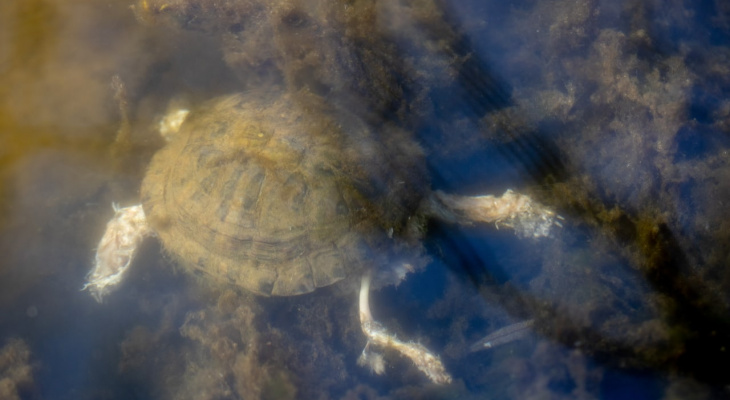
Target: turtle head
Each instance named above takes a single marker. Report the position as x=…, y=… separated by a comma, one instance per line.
x=171, y=122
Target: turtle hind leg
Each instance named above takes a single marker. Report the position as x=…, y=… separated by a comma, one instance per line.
x=427, y=362
x=116, y=250
x=518, y=211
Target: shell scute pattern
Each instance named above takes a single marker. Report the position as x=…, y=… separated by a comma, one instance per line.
x=259, y=193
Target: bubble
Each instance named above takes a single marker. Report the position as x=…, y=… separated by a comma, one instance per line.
x=31, y=311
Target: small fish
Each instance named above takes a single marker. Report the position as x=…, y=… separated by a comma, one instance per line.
x=504, y=335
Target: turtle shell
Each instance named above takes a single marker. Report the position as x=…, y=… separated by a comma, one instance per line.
x=279, y=195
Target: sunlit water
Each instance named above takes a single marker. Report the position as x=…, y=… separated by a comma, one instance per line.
x=615, y=114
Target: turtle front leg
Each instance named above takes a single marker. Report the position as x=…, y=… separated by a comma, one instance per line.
x=116, y=250
x=377, y=335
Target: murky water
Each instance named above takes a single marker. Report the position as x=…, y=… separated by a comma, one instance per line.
x=615, y=114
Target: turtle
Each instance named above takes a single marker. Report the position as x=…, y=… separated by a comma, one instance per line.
x=283, y=193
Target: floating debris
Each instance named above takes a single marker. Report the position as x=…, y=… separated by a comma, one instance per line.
x=505, y=335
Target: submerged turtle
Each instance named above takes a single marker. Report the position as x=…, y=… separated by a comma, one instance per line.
x=281, y=194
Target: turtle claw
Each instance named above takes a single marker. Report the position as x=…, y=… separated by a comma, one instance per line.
x=372, y=360
x=116, y=250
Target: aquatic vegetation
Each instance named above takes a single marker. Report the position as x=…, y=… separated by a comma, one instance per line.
x=16, y=370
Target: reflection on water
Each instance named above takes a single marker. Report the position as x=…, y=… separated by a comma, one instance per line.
x=614, y=113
